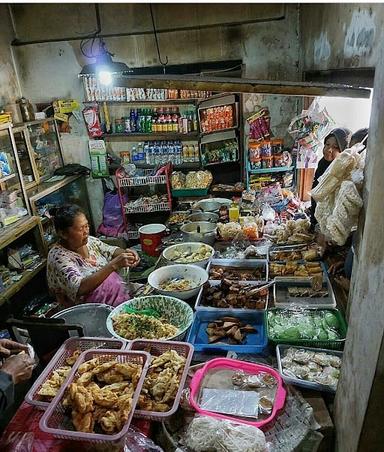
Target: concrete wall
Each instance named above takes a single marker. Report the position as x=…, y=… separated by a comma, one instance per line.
x=341, y=35
x=9, y=87
x=264, y=36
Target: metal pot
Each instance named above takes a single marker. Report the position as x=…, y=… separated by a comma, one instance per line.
x=91, y=316
x=204, y=216
x=200, y=231
x=207, y=205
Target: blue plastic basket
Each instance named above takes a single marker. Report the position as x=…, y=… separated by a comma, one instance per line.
x=253, y=343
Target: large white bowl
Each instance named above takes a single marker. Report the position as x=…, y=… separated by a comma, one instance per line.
x=174, y=311
x=196, y=274
x=169, y=253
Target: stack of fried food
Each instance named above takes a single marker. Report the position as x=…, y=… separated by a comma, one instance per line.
x=101, y=397
x=52, y=385
x=162, y=382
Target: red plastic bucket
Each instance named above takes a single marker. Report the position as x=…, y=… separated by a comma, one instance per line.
x=150, y=238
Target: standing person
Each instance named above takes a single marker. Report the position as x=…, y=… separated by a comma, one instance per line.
x=14, y=369
x=83, y=269
x=334, y=143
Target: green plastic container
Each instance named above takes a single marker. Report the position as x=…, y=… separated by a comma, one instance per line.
x=189, y=192
x=336, y=344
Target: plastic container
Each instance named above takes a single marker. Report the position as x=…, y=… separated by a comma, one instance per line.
x=250, y=368
x=65, y=351
x=55, y=420
x=157, y=348
x=150, y=238
x=186, y=192
x=255, y=342
x=280, y=349
x=199, y=306
x=336, y=344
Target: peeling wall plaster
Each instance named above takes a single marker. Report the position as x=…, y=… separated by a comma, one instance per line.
x=321, y=48
x=360, y=34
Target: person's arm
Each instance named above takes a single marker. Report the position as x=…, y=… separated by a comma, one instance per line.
x=6, y=391
x=93, y=281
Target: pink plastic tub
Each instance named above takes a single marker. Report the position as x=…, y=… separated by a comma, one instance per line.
x=250, y=368
x=157, y=348
x=56, y=420
x=65, y=351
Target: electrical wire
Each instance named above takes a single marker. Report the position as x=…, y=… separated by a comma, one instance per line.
x=157, y=42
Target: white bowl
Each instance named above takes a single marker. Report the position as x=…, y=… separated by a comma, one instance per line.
x=169, y=253
x=173, y=310
x=196, y=274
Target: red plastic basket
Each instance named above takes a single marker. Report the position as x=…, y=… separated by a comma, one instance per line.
x=56, y=421
x=65, y=351
x=157, y=348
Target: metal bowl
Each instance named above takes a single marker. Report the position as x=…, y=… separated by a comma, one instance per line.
x=91, y=316
x=200, y=231
x=207, y=205
x=203, y=216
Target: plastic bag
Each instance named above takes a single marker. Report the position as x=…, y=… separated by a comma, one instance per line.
x=113, y=222
x=178, y=180
x=268, y=213
x=206, y=433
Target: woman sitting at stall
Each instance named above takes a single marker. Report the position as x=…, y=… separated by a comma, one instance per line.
x=334, y=143
x=81, y=268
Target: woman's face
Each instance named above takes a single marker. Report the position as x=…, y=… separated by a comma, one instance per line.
x=76, y=236
x=331, y=149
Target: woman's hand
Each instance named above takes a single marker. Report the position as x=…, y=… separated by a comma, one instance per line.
x=126, y=259
x=135, y=256
x=7, y=347
x=19, y=367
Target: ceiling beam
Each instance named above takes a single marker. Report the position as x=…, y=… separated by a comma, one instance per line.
x=241, y=85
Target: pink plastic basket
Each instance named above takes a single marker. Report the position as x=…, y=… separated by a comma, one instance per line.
x=250, y=368
x=157, y=348
x=65, y=351
x=56, y=421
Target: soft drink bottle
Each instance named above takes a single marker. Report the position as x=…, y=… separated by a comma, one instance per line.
x=132, y=117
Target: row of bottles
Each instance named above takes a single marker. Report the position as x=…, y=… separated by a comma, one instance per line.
x=161, y=152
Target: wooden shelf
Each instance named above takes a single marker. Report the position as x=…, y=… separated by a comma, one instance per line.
x=46, y=188
x=15, y=287
x=146, y=102
x=152, y=136
x=5, y=178
x=10, y=233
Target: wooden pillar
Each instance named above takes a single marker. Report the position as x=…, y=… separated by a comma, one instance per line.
x=359, y=404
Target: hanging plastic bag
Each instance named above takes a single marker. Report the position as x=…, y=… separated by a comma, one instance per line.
x=113, y=222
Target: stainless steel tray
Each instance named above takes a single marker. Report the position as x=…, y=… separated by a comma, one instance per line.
x=288, y=248
x=282, y=299
x=212, y=283
x=245, y=264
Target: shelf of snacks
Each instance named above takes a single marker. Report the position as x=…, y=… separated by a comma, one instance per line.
x=46, y=146
x=194, y=183
x=272, y=170
x=218, y=113
x=95, y=92
x=151, y=102
x=13, y=198
x=265, y=154
x=147, y=205
x=20, y=280
x=139, y=181
x=219, y=148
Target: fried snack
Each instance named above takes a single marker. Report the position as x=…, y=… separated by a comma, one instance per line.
x=52, y=385
x=72, y=359
x=83, y=422
x=106, y=406
x=162, y=382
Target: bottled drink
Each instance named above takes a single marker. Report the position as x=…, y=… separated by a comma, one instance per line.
x=154, y=121
x=148, y=125
x=196, y=153
x=140, y=153
x=194, y=119
x=132, y=117
x=134, y=154
x=185, y=153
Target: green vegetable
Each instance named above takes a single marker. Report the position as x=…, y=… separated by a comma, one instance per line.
x=291, y=333
x=322, y=335
x=149, y=311
x=332, y=335
x=331, y=320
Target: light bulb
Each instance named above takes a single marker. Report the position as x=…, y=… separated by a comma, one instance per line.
x=105, y=77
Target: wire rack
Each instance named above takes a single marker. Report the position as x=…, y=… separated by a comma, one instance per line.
x=142, y=181
x=159, y=207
